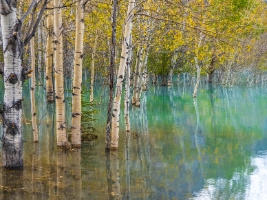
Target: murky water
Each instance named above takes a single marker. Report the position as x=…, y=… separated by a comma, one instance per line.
x=211, y=148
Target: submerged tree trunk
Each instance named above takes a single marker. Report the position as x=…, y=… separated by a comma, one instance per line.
x=33, y=83
x=120, y=78
x=111, y=77
x=77, y=79
x=13, y=79
x=59, y=81
x=49, y=60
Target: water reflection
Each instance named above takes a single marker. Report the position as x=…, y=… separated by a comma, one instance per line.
x=213, y=147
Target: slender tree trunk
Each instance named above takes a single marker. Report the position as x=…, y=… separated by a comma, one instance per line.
x=137, y=86
x=120, y=78
x=77, y=80
x=154, y=79
x=33, y=83
x=49, y=59
x=39, y=64
x=198, y=78
x=127, y=87
x=211, y=66
x=111, y=77
x=173, y=62
x=13, y=79
x=144, y=71
x=135, y=75
x=138, y=81
x=59, y=81
x=93, y=71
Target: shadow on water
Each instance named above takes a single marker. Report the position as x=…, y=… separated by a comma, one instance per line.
x=213, y=147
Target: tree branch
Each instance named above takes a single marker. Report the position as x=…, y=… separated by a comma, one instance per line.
x=29, y=36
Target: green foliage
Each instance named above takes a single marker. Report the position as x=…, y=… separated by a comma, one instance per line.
x=87, y=112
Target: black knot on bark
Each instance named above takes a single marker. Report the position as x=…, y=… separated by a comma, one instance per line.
x=57, y=97
x=12, y=129
x=61, y=127
x=25, y=73
x=17, y=104
x=12, y=78
x=75, y=114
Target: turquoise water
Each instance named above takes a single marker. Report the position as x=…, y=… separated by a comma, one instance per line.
x=212, y=148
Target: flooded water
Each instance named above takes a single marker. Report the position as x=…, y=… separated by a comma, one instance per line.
x=212, y=148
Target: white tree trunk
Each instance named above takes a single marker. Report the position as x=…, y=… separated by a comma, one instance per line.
x=77, y=80
x=135, y=74
x=93, y=71
x=198, y=78
x=123, y=61
x=136, y=84
x=13, y=79
x=39, y=64
x=49, y=59
x=59, y=81
x=139, y=78
x=173, y=62
x=127, y=87
x=144, y=71
x=33, y=83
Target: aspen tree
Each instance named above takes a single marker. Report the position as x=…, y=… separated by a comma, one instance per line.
x=13, y=79
x=33, y=84
x=93, y=70
x=144, y=70
x=127, y=87
x=77, y=79
x=111, y=78
x=49, y=59
x=120, y=77
x=59, y=81
x=39, y=53
x=137, y=81
x=173, y=62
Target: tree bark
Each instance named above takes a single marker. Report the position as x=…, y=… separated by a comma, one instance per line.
x=39, y=63
x=136, y=86
x=77, y=79
x=127, y=88
x=120, y=77
x=144, y=71
x=13, y=79
x=59, y=81
x=211, y=66
x=173, y=62
x=33, y=83
x=49, y=60
x=111, y=77
x=198, y=78
x=93, y=71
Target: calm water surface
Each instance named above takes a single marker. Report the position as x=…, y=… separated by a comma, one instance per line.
x=212, y=148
